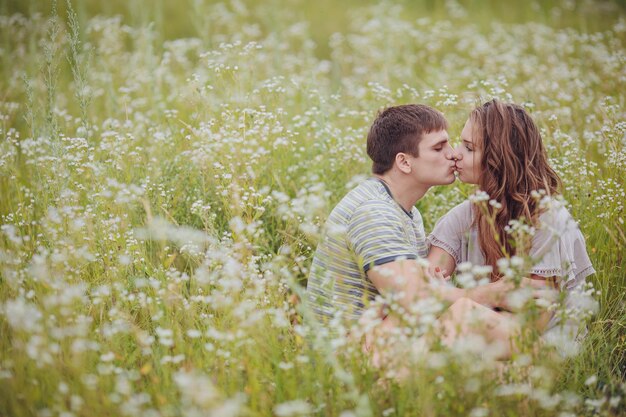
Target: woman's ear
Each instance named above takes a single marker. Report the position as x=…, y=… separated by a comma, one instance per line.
x=403, y=163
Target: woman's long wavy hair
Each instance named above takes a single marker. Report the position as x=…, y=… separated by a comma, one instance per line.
x=514, y=163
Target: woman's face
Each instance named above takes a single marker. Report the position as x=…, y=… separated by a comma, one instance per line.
x=468, y=156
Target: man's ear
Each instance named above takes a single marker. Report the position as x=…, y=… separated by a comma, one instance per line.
x=402, y=162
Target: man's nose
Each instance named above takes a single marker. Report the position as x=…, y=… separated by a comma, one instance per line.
x=457, y=155
x=453, y=154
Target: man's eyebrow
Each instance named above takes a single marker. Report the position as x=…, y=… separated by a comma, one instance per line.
x=441, y=142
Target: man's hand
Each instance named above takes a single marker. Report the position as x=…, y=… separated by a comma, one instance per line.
x=495, y=293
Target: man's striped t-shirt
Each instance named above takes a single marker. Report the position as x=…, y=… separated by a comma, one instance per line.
x=368, y=227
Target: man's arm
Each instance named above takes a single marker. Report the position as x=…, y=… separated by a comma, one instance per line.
x=407, y=277
x=404, y=277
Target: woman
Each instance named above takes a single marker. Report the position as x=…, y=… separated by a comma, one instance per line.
x=502, y=152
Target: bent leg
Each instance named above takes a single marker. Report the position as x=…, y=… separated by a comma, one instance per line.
x=376, y=342
x=466, y=316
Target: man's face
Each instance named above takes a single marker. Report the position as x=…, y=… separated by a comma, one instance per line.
x=435, y=163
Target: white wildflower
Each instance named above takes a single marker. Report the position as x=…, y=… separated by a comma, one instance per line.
x=22, y=315
x=518, y=298
x=591, y=380
x=196, y=388
x=293, y=408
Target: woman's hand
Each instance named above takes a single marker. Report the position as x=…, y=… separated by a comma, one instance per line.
x=437, y=273
x=438, y=257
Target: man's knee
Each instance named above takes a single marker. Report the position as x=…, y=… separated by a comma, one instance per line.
x=463, y=305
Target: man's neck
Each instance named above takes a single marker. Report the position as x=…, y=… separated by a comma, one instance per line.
x=405, y=194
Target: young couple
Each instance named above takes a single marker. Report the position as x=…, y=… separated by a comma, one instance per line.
x=375, y=235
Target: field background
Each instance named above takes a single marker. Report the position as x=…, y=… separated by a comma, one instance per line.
x=166, y=169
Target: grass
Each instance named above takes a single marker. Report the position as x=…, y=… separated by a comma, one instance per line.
x=166, y=171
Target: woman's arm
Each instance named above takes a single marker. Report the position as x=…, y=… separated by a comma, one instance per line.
x=491, y=295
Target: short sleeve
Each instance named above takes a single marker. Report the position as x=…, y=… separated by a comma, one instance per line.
x=450, y=229
x=377, y=235
x=559, y=249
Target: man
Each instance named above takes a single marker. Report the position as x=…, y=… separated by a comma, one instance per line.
x=375, y=234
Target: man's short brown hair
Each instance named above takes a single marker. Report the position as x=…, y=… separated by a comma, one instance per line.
x=400, y=129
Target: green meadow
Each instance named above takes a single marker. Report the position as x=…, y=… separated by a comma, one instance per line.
x=166, y=169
